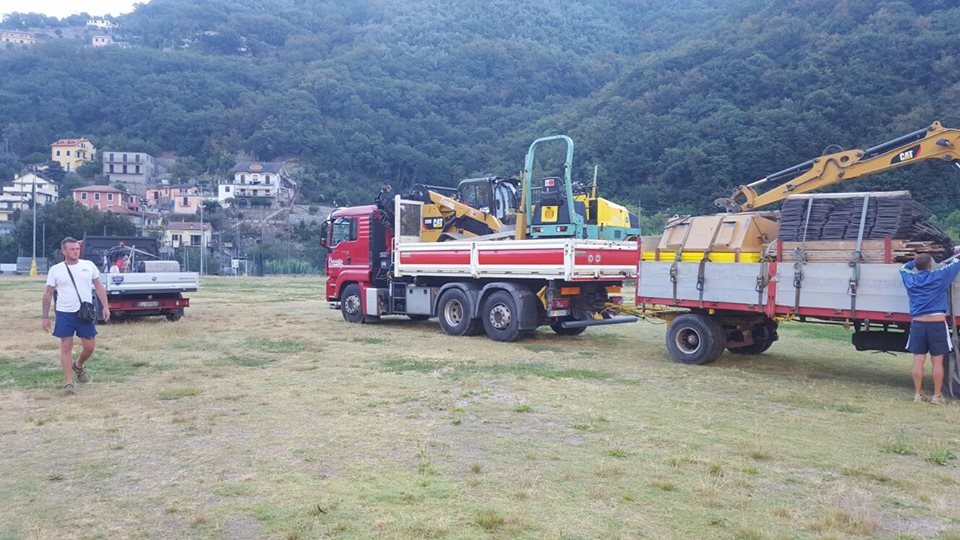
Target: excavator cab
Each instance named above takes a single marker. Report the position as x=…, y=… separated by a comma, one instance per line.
x=491, y=195
x=552, y=210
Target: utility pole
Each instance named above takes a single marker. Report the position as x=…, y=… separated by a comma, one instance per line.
x=203, y=238
x=33, y=262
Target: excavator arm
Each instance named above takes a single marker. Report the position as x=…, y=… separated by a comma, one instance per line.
x=934, y=142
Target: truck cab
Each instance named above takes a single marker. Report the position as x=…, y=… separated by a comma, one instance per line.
x=359, y=250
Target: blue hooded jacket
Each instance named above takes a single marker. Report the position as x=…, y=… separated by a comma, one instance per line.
x=928, y=290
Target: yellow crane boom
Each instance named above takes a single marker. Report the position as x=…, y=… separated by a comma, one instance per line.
x=934, y=142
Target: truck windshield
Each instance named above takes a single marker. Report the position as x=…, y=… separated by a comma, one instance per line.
x=343, y=229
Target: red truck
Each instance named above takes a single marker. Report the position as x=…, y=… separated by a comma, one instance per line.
x=507, y=288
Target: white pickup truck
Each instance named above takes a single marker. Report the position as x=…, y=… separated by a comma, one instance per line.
x=146, y=286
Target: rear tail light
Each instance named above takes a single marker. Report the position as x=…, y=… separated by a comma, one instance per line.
x=560, y=303
x=618, y=300
x=569, y=291
x=562, y=228
x=538, y=229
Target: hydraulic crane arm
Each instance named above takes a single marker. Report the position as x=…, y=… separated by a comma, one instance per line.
x=934, y=142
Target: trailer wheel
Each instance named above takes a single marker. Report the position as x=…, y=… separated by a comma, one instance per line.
x=453, y=310
x=764, y=334
x=501, y=320
x=951, y=378
x=351, y=306
x=695, y=339
x=561, y=331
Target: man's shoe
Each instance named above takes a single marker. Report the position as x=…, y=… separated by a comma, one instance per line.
x=937, y=400
x=919, y=398
x=69, y=390
x=81, y=374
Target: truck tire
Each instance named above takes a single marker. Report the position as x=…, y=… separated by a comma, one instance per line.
x=693, y=338
x=951, y=379
x=351, y=304
x=176, y=314
x=501, y=319
x=763, y=334
x=561, y=331
x=453, y=311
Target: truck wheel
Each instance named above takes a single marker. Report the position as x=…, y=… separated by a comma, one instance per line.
x=764, y=334
x=951, y=379
x=695, y=339
x=351, y=305
x=501, y=320
x=561, y=331
x=175, y=316
x=453, y=310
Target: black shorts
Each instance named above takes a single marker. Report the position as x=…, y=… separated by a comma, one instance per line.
x=929, y=337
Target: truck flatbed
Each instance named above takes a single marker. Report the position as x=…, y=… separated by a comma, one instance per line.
x=565, y=259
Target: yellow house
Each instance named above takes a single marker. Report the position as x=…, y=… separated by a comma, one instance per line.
x=72, y=153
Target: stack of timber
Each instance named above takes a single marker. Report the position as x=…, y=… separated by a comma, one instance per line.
x=895, y=228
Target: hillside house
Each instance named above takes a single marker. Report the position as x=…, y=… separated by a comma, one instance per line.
x=19, y=194
x=17, y=38
x=101, y=41
x=72, y=153
x=176, y=199
x=257, y=183
x=134, y=169
x=187, y=233
x=101, y=24
x=105, y=197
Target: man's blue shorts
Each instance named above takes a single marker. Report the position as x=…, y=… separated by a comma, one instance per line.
x=929, y=337
x=69, y=324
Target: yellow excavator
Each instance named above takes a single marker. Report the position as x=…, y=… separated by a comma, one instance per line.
x=476, y=207
x=934, y=142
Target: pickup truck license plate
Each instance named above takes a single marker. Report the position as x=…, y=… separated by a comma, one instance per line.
x=151, y=303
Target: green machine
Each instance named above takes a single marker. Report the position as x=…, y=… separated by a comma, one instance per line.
x=556, y=208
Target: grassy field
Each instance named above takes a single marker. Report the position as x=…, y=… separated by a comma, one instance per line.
x=262, y=414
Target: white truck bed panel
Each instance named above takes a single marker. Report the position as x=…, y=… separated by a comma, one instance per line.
x=150, y=282
x=723, y=282
x=825, y=286
x=566, y=259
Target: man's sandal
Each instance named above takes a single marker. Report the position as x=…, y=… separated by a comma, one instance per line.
x=81, y=374
x=69, y=389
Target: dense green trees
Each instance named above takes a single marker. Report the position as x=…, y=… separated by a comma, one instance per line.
x=57, y=221
x=678, y=101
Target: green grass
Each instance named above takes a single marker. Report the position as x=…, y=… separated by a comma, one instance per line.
x=244, y=360
x=179, y=393
x=276, y=345
x=941, y=456
x=102, y=368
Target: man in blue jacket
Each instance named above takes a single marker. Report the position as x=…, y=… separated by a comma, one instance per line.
x=927, y=289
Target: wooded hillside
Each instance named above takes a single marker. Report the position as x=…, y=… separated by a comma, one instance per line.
x=677, y=101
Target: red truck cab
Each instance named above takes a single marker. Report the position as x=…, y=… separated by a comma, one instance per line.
x=359, y=244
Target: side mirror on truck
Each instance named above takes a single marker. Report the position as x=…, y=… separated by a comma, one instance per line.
x=324, y=233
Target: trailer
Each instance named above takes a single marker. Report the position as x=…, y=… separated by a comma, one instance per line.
x=737, y=306
x=505, y=288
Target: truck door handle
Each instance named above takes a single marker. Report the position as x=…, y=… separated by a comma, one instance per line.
x=349, y=260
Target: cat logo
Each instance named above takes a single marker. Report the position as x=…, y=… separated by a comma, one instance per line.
x=906, y=155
